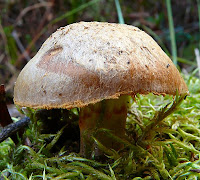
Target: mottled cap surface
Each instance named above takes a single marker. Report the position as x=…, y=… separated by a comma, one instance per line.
x=87, y=62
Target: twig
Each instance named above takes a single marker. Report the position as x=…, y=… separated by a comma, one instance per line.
x=20, y=45
x=35, y=6
x=13, y=128
x=2, y=33
x=46, y=17
x=4, y=38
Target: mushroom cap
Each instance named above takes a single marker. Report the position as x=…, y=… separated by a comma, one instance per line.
x=87, y=62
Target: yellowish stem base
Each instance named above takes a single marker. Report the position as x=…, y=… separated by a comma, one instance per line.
x=109, y=114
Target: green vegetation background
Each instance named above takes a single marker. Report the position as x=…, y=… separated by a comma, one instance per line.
x=163, y=134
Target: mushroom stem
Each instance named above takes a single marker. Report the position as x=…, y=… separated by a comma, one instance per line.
x=109, y=114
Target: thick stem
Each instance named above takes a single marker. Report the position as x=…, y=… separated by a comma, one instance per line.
x=109, y=114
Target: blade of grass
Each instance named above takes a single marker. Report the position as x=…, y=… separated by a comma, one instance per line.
x=186, y=61
x=119, y=12
x=172, y=33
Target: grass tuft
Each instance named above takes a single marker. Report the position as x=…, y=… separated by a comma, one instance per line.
x=172, y=33
x=119, y=12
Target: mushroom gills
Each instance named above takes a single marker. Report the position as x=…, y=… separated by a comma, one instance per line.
x=108, y=114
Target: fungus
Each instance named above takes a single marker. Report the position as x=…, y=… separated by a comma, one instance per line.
x=96, y=67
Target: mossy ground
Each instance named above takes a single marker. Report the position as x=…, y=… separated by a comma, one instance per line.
x=162, y=143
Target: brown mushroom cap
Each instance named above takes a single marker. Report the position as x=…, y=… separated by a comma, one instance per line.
x=87, y=62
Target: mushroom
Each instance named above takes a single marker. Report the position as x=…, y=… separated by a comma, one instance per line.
x=96, y=66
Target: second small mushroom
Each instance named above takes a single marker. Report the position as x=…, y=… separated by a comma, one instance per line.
x=96, y=67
